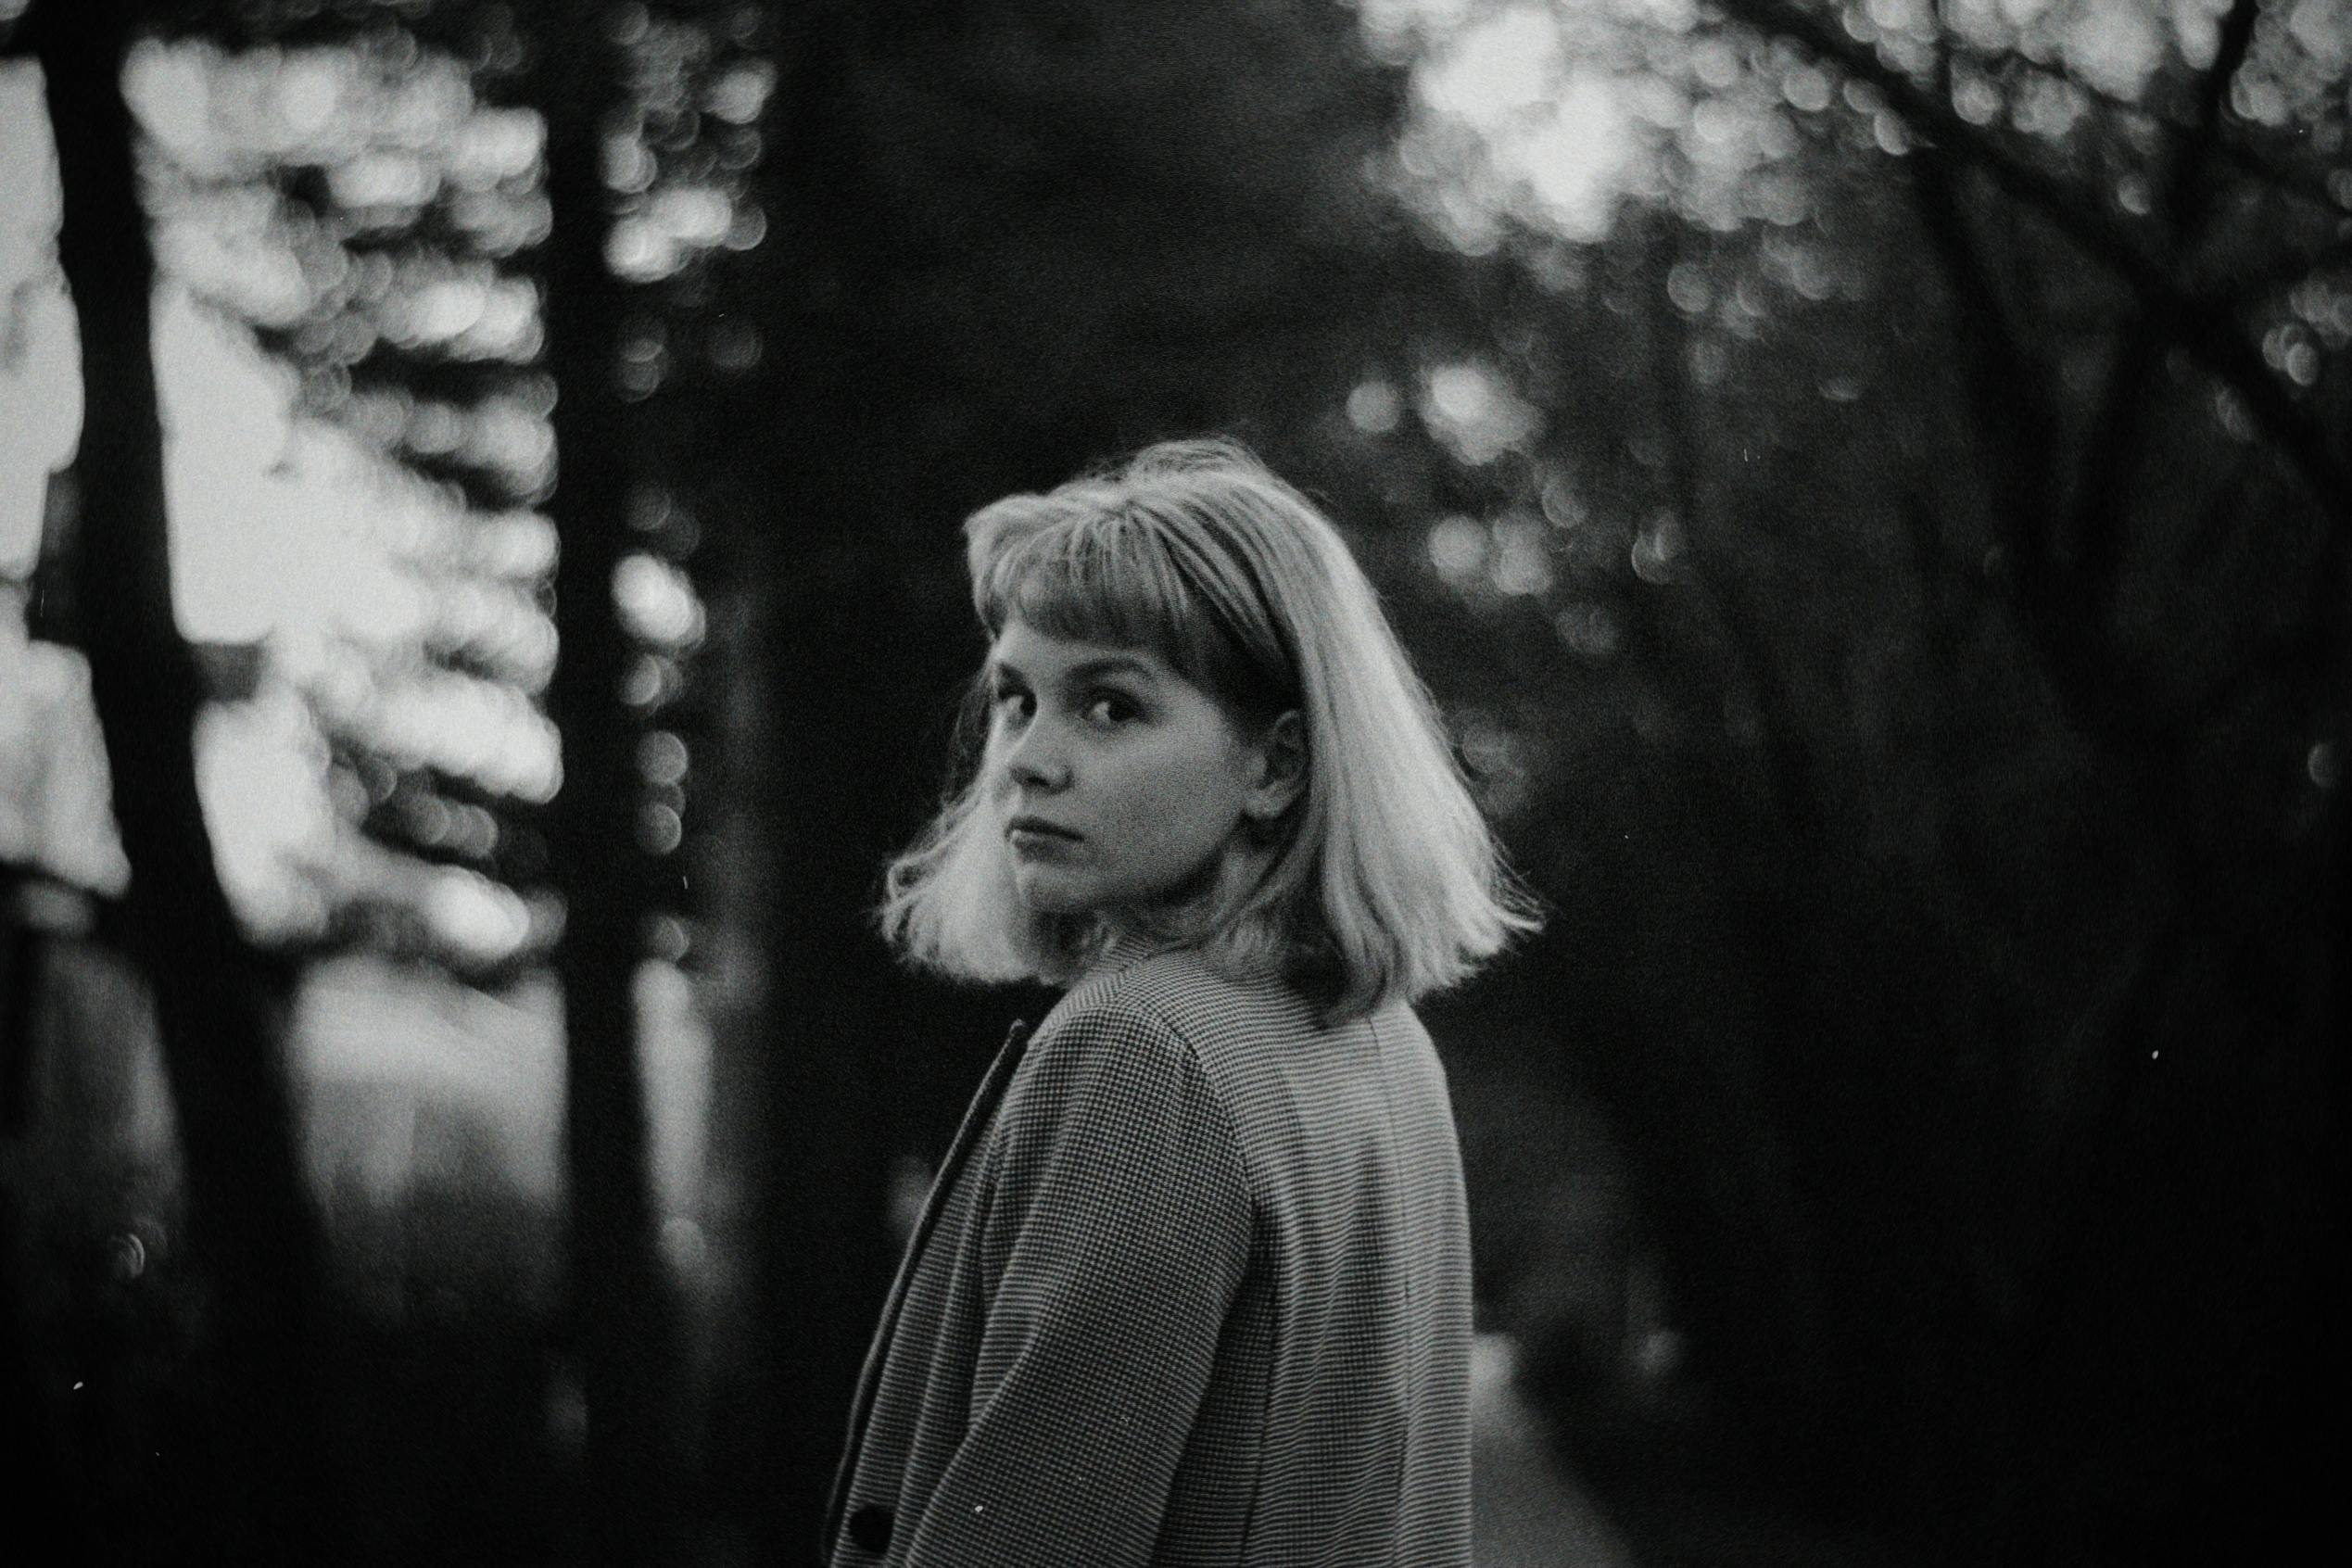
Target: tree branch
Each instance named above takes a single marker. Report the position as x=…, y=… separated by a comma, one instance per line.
x=2188, y=188
x=2257, y=285
x=1995, y=363
x=2186, y=192
x=2201, y=329
x=2304, y=185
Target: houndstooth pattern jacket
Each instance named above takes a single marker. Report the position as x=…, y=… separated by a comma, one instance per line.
x=1191, y=1287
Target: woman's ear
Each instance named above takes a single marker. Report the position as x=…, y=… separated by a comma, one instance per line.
x=1279, y=758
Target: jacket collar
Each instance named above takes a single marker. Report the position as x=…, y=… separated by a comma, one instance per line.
x=1124, y=950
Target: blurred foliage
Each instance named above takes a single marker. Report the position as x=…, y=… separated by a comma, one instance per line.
x=1907, y=472
x=347, y=187
x=340, y=188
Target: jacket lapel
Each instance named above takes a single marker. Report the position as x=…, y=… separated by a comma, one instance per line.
x=967, y=1134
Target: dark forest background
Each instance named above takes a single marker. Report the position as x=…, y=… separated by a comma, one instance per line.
x=1883, y=557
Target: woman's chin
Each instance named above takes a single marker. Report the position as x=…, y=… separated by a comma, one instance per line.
x=1047, y=894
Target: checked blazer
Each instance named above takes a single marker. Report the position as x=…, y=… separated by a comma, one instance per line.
x=1191, y=1287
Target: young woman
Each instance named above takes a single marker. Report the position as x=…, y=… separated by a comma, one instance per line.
x=1192, y=1284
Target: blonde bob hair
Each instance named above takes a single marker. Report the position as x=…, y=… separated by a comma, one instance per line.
x=1381, y=881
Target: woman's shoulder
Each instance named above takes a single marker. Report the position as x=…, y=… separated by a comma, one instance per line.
x=1118, y=1046
x=1192, y=996
x=1237, y=1025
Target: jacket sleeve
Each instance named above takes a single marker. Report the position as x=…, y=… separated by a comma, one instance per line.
x=1113, y=1243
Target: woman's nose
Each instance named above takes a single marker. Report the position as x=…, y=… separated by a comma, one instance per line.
x=1033, y=764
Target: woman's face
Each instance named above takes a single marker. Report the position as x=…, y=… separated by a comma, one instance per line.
x=1122, y=782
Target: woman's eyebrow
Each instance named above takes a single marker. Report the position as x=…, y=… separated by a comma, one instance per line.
x=1082, y=672
x=1117, y=664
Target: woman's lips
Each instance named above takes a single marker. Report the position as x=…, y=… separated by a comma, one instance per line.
x=1035, y=834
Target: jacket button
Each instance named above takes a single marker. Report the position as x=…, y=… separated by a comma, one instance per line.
x=869, y=1527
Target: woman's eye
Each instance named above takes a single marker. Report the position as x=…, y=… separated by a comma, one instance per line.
x=1011, y=700
x=1108, y=709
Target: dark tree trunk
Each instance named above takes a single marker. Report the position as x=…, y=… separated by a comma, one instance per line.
x=622, y=1314
x=831, y=646
x=255, y=1239
x=43, y=1475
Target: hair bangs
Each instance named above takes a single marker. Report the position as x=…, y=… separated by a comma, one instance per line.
x=1114, y=576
